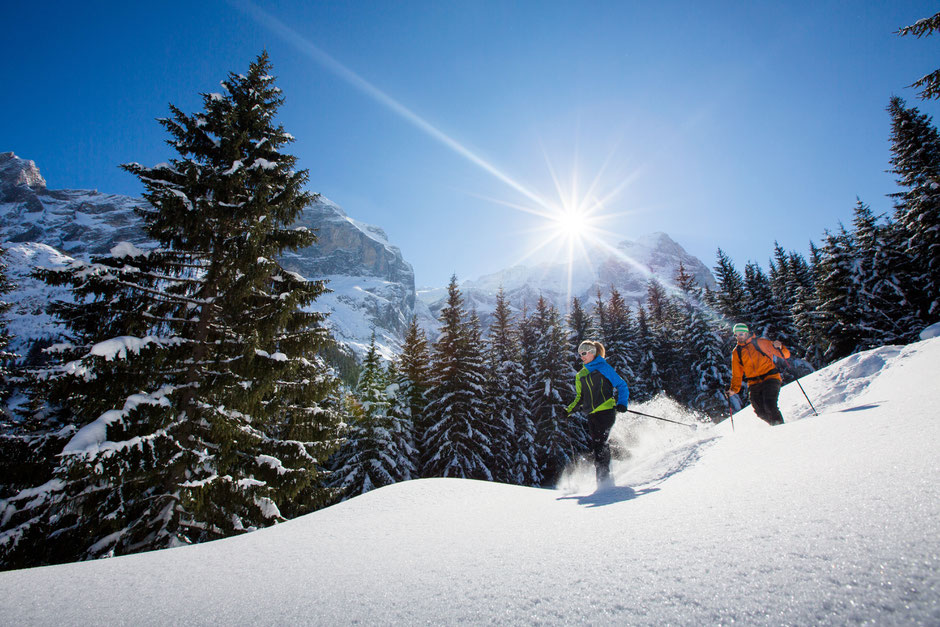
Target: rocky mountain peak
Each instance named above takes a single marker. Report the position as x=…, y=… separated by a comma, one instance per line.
x=16, y=172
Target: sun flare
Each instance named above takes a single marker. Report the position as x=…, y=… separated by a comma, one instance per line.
x=570, y=224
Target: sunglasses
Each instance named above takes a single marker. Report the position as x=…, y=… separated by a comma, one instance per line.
x=583, y=353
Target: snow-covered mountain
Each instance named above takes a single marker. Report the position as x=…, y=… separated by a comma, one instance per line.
x=75, y=222
x=826, y=520
x=628, y=267
x=373, y=286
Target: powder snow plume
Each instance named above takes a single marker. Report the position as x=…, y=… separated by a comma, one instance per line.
x=635, y=440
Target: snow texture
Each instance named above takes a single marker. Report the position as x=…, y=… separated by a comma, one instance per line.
x=827, y=520
x=930, y=332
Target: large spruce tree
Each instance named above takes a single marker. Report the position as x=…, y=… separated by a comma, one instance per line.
x=550, y=389
x=458, y=441
x=915, y=145
x=729, y=295
x=701, y=338
x=194, y=375
x=620, y=335
x=510, y=409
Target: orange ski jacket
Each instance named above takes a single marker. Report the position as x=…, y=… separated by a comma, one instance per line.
x=749, y=364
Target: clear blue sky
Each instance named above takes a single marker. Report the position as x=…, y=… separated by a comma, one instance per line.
x=728, y=124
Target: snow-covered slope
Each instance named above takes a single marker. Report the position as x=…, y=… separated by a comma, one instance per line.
x=27, y=318
x=373, y=286
x=827, y=520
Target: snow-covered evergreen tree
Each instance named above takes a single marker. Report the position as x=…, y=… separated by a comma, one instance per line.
x=414, y=379
x=784, y=297
x=376, y=452
x=550, y=390
x=205, y=409
x=807, y=318
x=620, y=336
x=663, y=342
x=929, y=84
x=701, y=338
x=600, y=318
x=510, y=407
x=762, y=314
x=915, y=145
x=648, y=382
x=6, y=357
x=729, y=295
x=580, y=326
x=458, y=442
x=882, y=280
x=838, y=296
x=401, y=425
x=16, y=457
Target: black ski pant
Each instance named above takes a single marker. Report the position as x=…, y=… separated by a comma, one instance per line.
x=764, y=400
x=599, y=425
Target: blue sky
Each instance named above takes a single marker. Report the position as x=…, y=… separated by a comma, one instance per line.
x=730, y=124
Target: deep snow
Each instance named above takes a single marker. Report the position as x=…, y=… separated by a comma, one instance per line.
x=829, y=519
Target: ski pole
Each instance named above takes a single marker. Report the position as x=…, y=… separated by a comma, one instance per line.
x=684, y=424
x=807, y=398
x=801, y=388
x=730, y=410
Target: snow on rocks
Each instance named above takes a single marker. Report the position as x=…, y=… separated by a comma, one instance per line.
x=127, y=249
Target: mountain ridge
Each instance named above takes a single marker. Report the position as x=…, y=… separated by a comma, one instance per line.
x=372, y=285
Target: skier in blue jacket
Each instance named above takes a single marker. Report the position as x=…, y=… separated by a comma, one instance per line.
x=594, y=387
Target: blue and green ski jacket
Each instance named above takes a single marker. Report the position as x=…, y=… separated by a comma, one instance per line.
x=594, y=387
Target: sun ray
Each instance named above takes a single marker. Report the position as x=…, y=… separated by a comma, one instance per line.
x=307, y=47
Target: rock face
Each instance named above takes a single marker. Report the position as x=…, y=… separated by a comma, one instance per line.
x=372, y=286
x=76, y=222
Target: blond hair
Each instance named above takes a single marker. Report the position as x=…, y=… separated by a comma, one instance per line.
x=597, y=346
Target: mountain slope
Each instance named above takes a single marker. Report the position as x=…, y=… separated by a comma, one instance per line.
x=829, y=519
x=373, y=286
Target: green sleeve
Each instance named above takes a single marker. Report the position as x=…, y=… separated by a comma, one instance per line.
x=577, y=390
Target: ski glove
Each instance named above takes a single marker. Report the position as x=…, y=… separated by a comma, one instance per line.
x=621, y=409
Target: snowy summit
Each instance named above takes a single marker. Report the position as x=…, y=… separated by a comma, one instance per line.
x=830, y=519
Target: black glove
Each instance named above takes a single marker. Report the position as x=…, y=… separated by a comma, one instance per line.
x=622, y=409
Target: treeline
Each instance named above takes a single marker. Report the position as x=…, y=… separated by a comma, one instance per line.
x=492, y=404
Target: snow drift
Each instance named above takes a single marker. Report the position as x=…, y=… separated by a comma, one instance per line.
x=828, y=519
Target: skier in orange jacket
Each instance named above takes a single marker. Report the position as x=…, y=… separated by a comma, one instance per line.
x=752, y=361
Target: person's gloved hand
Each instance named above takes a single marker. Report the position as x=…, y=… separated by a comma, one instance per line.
x=621, y=409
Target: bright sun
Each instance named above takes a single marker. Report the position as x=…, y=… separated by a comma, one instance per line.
x=570, y=224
